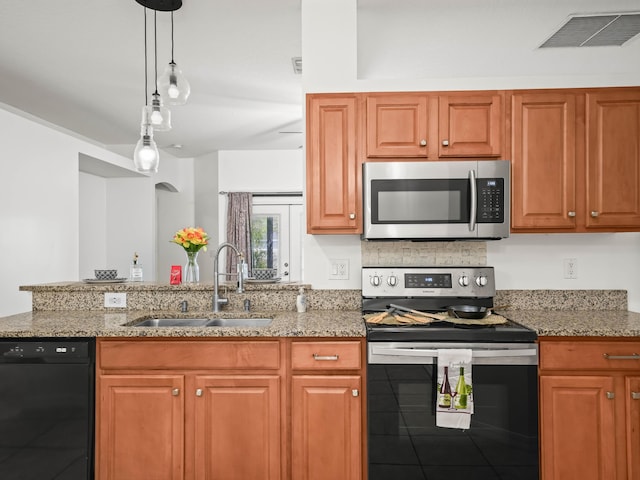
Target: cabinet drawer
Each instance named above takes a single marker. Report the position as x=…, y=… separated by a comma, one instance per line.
x=191, y=355
x=326, y=355
x=569, y=355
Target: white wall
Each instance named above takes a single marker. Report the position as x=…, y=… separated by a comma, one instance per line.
x=93, y=234
x=43, y=220
x=329, y=49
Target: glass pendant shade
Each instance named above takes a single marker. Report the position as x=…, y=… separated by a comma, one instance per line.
x=173, y=85
x=145, y=156
x=157, y=115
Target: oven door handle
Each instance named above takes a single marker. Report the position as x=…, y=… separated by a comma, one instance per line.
x=473, y=201
x=433, y=353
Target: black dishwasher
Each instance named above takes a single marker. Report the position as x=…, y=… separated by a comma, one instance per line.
x=46, y=408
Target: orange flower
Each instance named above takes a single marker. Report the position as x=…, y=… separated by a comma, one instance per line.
x=191, y=239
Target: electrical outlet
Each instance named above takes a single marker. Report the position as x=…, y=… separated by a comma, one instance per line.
x=115, y=300
x=571, y=268
x=339, y=269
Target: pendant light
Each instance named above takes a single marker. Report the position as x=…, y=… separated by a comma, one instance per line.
x=145, y=156
x=156, y=114
x=174, y=87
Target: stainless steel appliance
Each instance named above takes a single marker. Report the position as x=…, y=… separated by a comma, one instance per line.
x=403, y=439
x=46, y=409
x=436, y=200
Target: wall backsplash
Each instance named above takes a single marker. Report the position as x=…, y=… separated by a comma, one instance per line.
x=377, y=254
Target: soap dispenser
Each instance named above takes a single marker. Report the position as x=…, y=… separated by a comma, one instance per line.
x=135, y=272
x=301, y=301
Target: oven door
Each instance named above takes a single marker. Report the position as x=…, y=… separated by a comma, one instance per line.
x=422, y=200
x=502, y=442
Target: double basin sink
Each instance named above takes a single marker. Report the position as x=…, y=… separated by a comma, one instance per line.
x=203, y=322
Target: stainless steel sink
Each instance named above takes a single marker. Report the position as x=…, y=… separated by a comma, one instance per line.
x=172, y=322
x=204, y=322
x=239, y=322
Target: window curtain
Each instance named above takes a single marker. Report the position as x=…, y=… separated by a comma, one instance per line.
x=239, y=228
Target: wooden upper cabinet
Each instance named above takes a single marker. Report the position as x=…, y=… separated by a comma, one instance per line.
x=397, y=125
x=470, y=125
x=543, y=161
x=421, y=126
x=334, y=182
x=613, y=159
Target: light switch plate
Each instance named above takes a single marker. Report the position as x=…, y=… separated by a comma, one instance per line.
x=115, y=300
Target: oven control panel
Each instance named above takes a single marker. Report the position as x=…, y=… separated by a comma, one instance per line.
x=428, y=282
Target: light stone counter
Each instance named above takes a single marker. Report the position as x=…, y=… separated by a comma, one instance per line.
x=86, y=323
x=578, y=323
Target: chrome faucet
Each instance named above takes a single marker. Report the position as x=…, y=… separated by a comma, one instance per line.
x=217, y=301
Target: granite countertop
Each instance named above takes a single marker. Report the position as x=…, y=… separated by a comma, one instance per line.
x=578, y=323
x=84, y=323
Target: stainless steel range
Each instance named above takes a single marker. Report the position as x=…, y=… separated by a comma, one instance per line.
x=413, y=317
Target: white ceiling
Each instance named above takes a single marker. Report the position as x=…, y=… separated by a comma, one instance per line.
x=79, y=63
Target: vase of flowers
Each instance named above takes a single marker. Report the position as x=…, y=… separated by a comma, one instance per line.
x=192, y=240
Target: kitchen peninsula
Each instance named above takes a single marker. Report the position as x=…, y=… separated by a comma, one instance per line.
x=284, y=378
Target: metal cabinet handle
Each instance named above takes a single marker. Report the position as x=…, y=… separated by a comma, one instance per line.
x=352, y=216
x=423, y=143
x=320, y=358
x=198, y=392
x=633, y=356
x=445, y=143
x=594, y=214
x=611, y=395
x=571, y=214
x=355, y=392
x=635, y=395
x=175, y=392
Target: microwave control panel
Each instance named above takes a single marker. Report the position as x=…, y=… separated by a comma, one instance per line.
x=490, y=200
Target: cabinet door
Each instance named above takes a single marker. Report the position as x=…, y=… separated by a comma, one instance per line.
x=632, y=395
x=543, y=161
x=140, y=427
x=470, y=125
x=333, y=193
x=397, y=126
x=577, y=427
x=613, y=159
x=326, y=427
x=237, y=427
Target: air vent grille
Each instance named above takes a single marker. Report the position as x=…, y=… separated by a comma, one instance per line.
x=596, y=31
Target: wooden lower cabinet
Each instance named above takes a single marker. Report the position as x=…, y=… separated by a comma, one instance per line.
x=590, y=410
x=577, y=427
x=237, y=427
x=326, y=427
x=140, y=427
x=227, y=409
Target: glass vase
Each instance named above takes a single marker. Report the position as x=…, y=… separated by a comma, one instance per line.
x=191, y=272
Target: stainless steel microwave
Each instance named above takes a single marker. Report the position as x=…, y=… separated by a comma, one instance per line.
x=436, y=200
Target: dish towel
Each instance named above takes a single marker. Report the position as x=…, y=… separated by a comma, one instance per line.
x=454, y=404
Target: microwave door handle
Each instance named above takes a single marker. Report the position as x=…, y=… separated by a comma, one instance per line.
x=473, y=204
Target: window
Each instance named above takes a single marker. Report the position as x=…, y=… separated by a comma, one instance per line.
x=276, y=236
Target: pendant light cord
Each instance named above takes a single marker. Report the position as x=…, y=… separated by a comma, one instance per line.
x=145, y=56
x=155, y=43
x=172, y=37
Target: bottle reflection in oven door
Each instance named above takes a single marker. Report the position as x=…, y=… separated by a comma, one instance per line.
x=404, y=442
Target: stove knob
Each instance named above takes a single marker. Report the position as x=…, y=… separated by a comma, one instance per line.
x=481, y=281
x=375, y=280
x=463, y=281
x=392, y=281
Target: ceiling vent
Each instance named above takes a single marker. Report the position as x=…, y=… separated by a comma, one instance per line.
x=297, y=65
x=612, y=29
